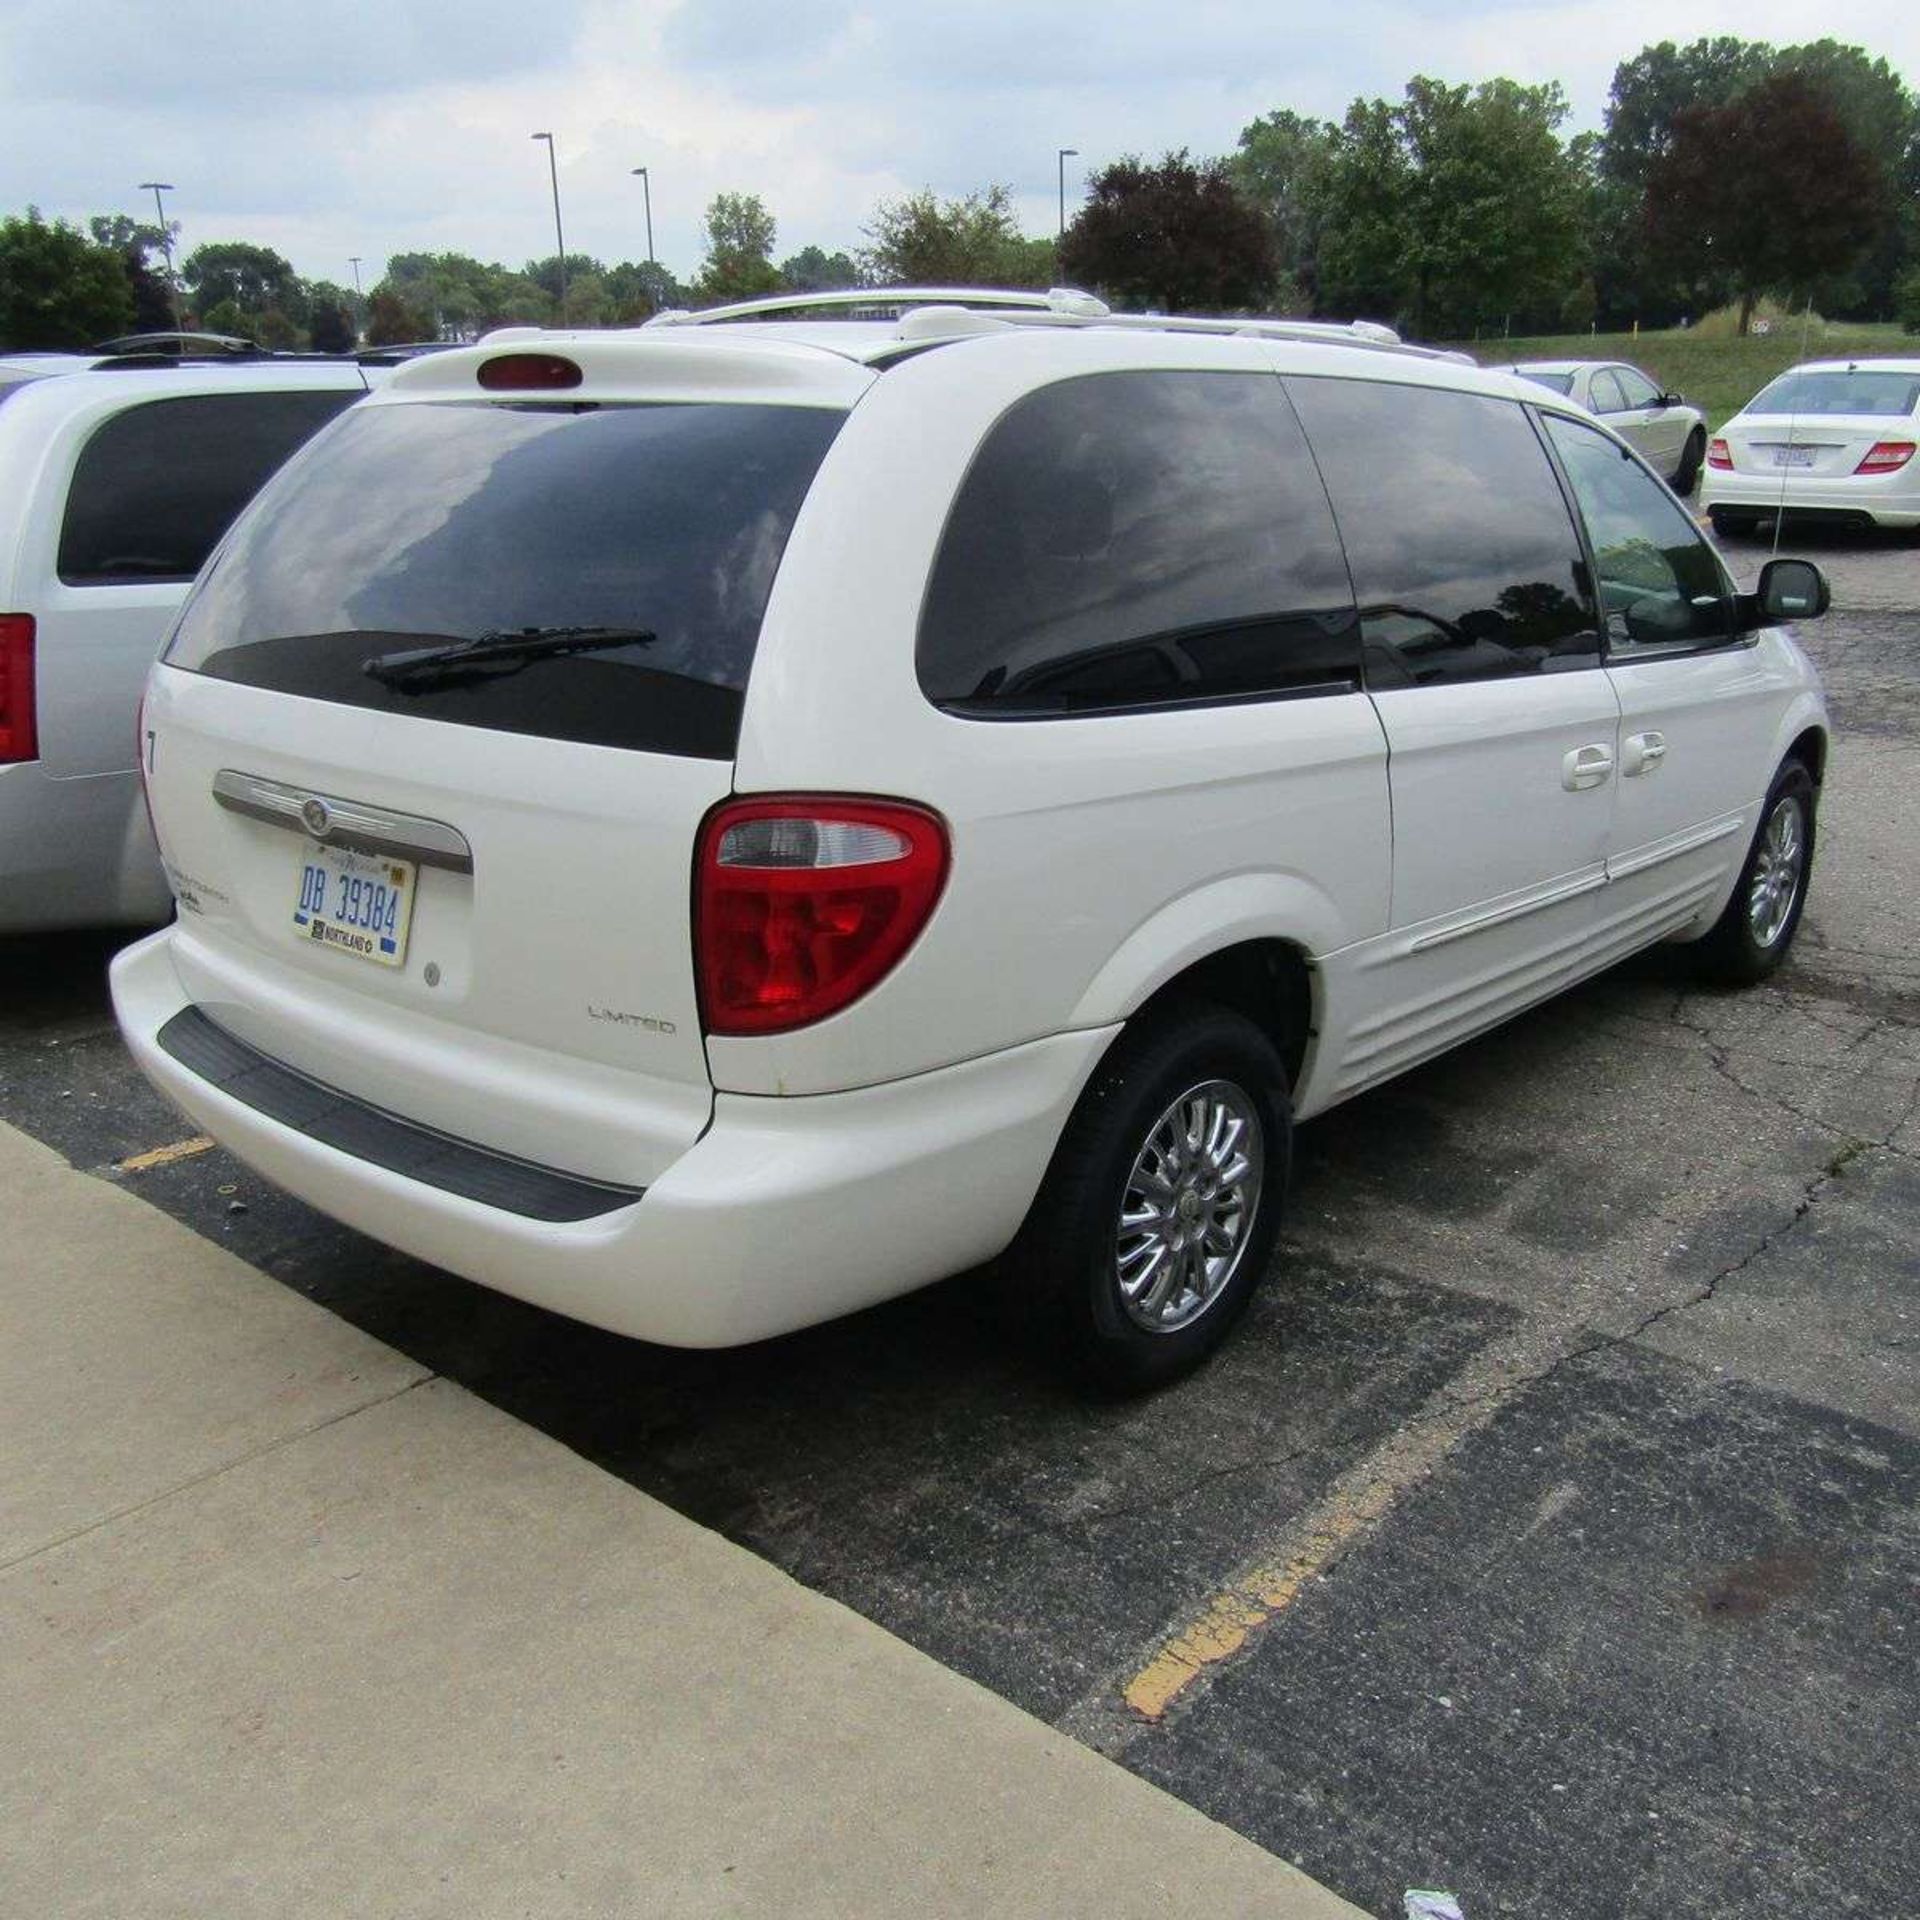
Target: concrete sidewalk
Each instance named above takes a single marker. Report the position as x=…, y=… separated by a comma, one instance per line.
x=289, y=1626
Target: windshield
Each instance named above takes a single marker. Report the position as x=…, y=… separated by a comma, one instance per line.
x=1884, y=392
x=1553, y=382
x=432, y=523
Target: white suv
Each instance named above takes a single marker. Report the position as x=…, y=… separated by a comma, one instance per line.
x=710, y=827
x=115, y=482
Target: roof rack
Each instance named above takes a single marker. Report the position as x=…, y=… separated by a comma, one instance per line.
x=929, y=315
x=882, y=302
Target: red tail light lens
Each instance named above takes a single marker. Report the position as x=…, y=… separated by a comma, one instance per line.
x=18, y=738
x=528, y=373
x=1718, y=456
x=803, y=902
x=1889, y=456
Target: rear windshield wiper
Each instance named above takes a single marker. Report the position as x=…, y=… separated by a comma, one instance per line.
x=497, y=651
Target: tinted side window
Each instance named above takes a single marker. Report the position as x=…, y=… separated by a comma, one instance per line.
x=1636, y=389
x=1139, y=539
x=1660, y=585
x=157, y=485
x=1464, y=556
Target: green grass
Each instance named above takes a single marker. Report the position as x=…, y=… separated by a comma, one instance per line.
x=1717, y=375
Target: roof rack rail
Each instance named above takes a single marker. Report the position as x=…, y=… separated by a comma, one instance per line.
x=886, y=302
x=930, y=315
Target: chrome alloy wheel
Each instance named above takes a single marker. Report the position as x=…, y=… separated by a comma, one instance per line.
x=1778, y=864
x=1187, y=1206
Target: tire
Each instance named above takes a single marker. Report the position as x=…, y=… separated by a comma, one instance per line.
x=1132, y=1304
x=1687, y=473
x=1726, y=522
x=1753, y=935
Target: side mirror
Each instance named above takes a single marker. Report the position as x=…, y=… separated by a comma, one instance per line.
x=1670, y=400
x=1792, y=590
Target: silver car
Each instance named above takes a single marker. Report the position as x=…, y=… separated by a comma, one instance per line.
x=115, y=484
x=1669, y=435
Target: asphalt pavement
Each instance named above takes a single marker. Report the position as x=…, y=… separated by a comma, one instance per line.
x=1548, y=1533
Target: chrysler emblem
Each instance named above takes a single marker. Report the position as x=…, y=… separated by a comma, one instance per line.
x=319, y=820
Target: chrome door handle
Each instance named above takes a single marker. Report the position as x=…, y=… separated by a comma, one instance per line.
x=1585, y=767
x=1641, y=753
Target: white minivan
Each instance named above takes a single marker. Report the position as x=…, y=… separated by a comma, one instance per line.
x=710, y=827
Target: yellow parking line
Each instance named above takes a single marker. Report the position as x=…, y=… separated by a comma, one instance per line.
x=1343, y=1518
x=165, y=1156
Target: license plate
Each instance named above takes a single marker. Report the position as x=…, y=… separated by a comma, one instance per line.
x=357, y=903
x=1793, y=456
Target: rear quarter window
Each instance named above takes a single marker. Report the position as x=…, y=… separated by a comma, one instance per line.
x=157, y=485
x=1138, y=539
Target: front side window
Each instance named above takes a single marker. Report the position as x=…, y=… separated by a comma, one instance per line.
x=156, y=486
x=1138, y=539
x=1465, y=559
x=1660, y=586
x=1636, y=389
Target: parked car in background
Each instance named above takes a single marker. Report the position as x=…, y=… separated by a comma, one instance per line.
x=1669, y=435
x=115, y=485
x=1834, y=440
x=708, y=827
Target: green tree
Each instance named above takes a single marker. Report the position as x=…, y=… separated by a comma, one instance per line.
x=256, y=280
x=1456, y=209
x=1906, y=300
x=637, y=290
x=224, y=317
x=391, y=322
x=1283, y=167
x=1771, y=188
x=330, y=329
x=58, y=288
x=969, y=242
x=143, y=247
x=1175, y=236
x=813, y=270
x=739, y=262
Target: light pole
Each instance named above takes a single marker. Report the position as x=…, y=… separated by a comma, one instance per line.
x=359, y=300
x=560, y=239
x=1066, y=154
x=158, y=187
x=646, y=190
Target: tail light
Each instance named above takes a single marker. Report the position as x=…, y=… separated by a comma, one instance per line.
x=1718, y=456
x=803, y=902
x=529, y=373
x=1887, y=456
x=18, y=738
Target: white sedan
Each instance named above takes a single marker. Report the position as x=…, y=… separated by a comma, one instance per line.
x=1831, y=440
x=1669, y=435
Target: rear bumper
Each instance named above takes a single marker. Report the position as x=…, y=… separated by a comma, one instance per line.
x=1892, y=500
x=784, y=1213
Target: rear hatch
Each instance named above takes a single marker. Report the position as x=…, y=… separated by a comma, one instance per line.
x=1820, y=424
x=455, y=883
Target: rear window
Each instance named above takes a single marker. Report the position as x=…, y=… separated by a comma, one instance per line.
x=1858, y=390
x=429, y=524
x=156, y=486
x=1553, y=382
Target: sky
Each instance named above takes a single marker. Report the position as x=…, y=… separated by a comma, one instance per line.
x=375, y=127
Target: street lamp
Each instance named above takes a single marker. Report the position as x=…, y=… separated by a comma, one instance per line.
x=359, y=299
x=560, y=239
x=646, y=188
x=1066, y=154
x=157, y=188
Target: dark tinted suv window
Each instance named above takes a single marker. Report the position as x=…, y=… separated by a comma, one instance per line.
x=1464, y=555
x=157, y=485
x=424, y=524
x=1139, y=539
